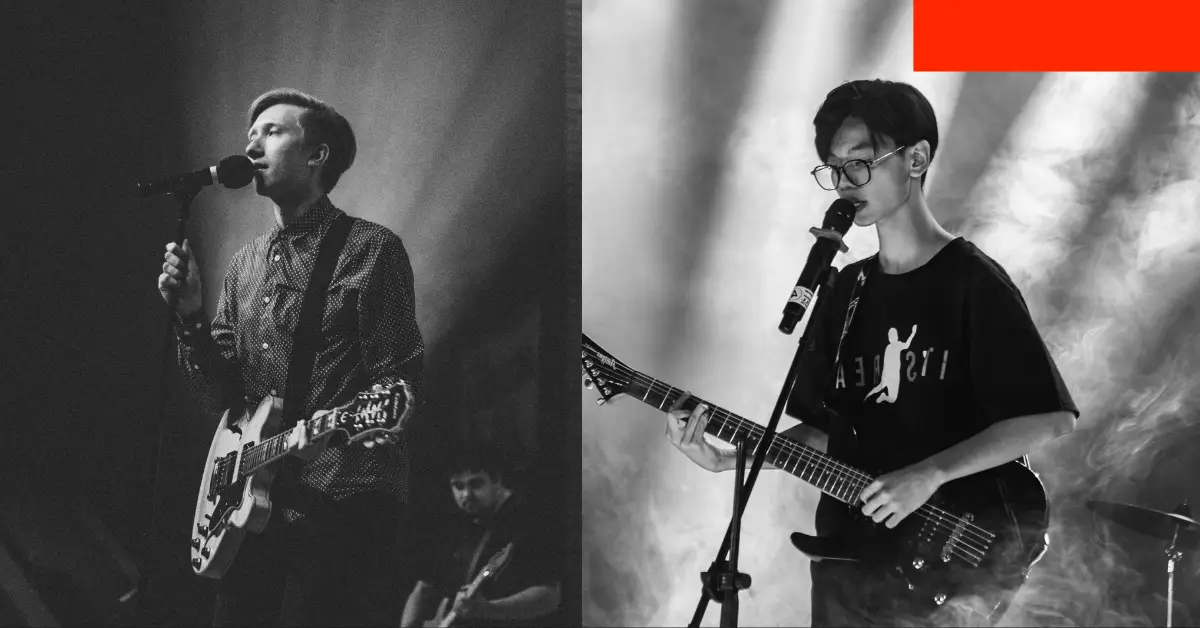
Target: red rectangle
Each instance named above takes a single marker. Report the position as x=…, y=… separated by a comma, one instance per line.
x=1056, y=36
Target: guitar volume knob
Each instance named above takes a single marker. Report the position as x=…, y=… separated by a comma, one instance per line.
x=196, y=564
x=939, y=599
x=918, y=563
x=196, y=543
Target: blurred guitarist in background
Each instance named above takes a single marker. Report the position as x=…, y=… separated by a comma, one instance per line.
x=334, y=504
x=937, y=370
x=526, y=591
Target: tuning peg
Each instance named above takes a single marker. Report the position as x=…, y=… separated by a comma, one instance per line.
x=588, y=363
x=588, y=383
x=600, y=401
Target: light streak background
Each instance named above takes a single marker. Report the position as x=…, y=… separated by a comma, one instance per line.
x=696, y=204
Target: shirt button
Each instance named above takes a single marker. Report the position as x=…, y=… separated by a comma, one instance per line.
x=266, y=346
x=272, y=392
x=277, y=257
x=266, y=299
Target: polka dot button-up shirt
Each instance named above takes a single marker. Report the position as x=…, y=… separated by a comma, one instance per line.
x=368, y=336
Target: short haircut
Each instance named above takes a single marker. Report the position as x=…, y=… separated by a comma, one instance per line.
x=887, y=108
x=322, y=125
x=479, y=460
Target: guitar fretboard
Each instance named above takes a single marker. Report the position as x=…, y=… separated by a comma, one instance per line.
x=830, y=476
x=258, y=455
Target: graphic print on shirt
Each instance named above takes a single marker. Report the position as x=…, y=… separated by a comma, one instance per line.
x=889, y=384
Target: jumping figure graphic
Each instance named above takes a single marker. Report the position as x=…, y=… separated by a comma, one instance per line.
x=890, y=381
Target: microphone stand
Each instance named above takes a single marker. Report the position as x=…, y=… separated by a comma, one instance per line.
x=184, y=195
x=725, y=574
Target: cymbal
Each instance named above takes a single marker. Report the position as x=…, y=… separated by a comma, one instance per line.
x=1148, y=521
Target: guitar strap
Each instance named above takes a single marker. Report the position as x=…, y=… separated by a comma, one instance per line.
x=483, y=541
x=859, y=282
x=304, y=339
x=288, y=490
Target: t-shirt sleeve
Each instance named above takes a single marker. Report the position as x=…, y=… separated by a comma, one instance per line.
x=816, y=364
x=1011, y=370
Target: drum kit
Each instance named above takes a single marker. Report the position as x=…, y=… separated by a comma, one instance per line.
x=1177, y=528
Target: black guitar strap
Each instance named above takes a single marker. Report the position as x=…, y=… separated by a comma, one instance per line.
x=304, y=339
x=859, y=282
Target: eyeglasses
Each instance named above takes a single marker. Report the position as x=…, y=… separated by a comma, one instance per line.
x=857, y=171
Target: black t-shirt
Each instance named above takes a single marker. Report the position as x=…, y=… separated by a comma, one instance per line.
x=931, y=357
x=535, y=557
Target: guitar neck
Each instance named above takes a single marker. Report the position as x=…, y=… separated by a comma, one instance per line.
x=259, y=455
x=828, y=475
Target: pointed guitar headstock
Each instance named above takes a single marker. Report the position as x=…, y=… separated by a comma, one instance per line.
x=372, y=413
x=601, y=370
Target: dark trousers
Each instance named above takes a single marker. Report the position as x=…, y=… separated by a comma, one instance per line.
x=328, y=569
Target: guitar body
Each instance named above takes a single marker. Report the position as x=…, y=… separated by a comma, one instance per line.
x=927, y=554
x=226, y=507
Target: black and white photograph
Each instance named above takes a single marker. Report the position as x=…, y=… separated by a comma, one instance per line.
x=290, y=306
x=963, y=303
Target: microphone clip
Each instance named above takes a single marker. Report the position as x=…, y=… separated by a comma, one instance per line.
x=830, y=234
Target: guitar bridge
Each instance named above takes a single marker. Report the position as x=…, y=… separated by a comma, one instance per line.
x=959, y=528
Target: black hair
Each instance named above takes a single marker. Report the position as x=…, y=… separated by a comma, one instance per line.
x=888, y=109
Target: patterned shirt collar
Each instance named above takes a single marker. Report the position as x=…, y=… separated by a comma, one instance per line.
x=319, y=213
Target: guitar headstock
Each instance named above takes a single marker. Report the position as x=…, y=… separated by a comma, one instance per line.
x=608, y=375
x=372, y=413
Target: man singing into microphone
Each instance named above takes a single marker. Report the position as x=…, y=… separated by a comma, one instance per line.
x=938, y=373
x=336, y=507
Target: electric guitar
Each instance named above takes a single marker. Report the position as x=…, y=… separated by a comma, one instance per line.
x=445, y=617
x=972, y=543
x=235, y=489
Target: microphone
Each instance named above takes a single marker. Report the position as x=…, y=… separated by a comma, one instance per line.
x=235, y=171
x=838, y=219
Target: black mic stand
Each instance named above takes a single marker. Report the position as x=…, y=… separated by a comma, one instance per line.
x=720, y=584
x=184, y=195
x=725, y=575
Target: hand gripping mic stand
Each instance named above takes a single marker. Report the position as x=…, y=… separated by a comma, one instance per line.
x=722, y=581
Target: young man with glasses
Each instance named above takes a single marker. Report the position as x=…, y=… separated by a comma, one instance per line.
x=937, y=372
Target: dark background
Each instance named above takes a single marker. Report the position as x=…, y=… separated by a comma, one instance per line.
x=459, y=111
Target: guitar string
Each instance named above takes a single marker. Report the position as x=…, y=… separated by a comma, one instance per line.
x=757, y=432
x=259, y=454
x=937, y=516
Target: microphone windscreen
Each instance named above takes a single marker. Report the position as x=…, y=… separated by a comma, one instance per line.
x=235, y=171
x=839, y=216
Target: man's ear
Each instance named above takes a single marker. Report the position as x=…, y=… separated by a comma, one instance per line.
x=319, y=155
x=919, y=161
